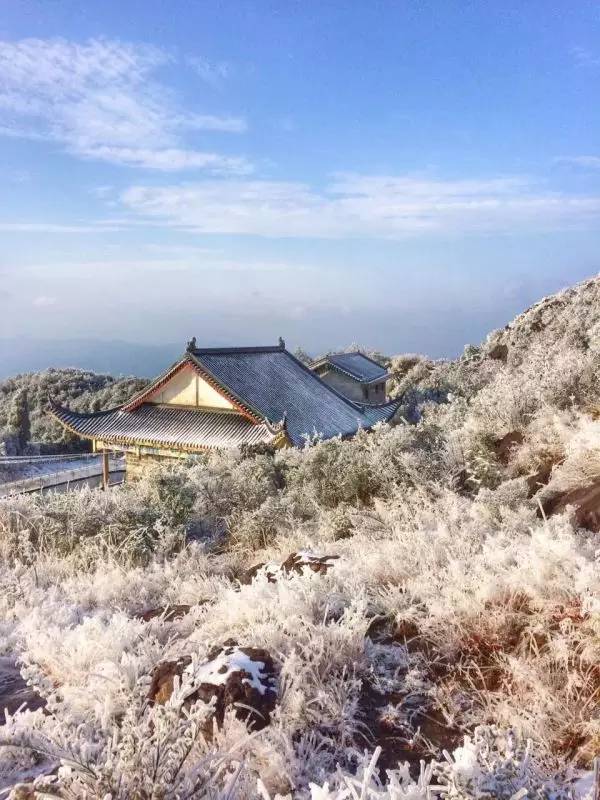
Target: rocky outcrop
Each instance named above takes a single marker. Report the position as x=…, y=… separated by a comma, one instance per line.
x=243, y=678
x=269, y=570
x=585, y=502
x=163, y=679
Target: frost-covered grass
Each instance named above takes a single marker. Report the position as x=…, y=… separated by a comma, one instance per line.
x=453, y=610
x=491, y=613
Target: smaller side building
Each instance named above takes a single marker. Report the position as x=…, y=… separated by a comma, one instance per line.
x=355, y=375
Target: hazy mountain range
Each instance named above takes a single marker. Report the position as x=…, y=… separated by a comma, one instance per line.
x=19, y=355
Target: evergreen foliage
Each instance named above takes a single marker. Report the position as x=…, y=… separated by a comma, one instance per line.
x=79, y=389
x=18, y=422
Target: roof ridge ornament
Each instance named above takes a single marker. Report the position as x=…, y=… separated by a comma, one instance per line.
x=281, y=343
x=191, y=345
x=278, y=427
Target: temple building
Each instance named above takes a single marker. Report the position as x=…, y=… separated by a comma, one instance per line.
x=354, y=375
x=215, y=398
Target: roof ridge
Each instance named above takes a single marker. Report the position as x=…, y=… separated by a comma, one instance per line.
x=225, y=350
x=359, y=353
x=310, y=371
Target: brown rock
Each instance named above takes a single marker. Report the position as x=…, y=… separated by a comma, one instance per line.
x=298, y=562
x=243, y=678
x=505, y=447
x=169, y=613
x=499, y=352
x=269, y=570
x=295, y=562
x=397, y=739
x=163, y=677
x=539, y=478
x=406, y=629
x=586, y=504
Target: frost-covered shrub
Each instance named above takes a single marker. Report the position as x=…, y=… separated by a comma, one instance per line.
x=86, y=523
x=171, y=491
x=257, y=528
x=333, y=472
x=156, y=752
x=488, y=765
x=337, y=523
x=355, y=471
x=229, y=481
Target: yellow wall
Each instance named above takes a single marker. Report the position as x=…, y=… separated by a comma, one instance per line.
x=186, y=388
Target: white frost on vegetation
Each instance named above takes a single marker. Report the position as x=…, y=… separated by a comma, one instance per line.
x=452, y=596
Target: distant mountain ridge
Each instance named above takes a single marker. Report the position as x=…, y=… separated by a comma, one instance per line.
x=23, y=355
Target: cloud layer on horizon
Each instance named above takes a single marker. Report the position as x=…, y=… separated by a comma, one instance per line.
x=362, y=205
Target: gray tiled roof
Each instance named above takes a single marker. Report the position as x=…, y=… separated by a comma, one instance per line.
x=168, y=426
x=275, y=385
x=357, y=365
x=268, y=381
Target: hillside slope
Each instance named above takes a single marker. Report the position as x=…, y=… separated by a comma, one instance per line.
x=548, y=354
x=569, y=318
x=81, y=389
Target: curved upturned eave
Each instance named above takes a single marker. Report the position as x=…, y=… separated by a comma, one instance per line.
x=180, y=429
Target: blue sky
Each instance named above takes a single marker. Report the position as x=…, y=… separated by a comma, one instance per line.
x=408, y=175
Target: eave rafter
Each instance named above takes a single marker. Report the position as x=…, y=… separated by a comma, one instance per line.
x=274, y=434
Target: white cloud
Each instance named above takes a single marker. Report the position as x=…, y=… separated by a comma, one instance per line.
x=358, y=205
x=100, y=100
x=213, y=73
x=50, y=227
x=43, y=301
x=172, y=159
x=198, y=262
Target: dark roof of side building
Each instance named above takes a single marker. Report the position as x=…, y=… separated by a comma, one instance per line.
x=356, y=365
x=268, y=385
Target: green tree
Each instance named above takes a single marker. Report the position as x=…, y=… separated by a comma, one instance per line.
x=18, y=419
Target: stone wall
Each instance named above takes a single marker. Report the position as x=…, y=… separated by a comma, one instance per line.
x=343, y=384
